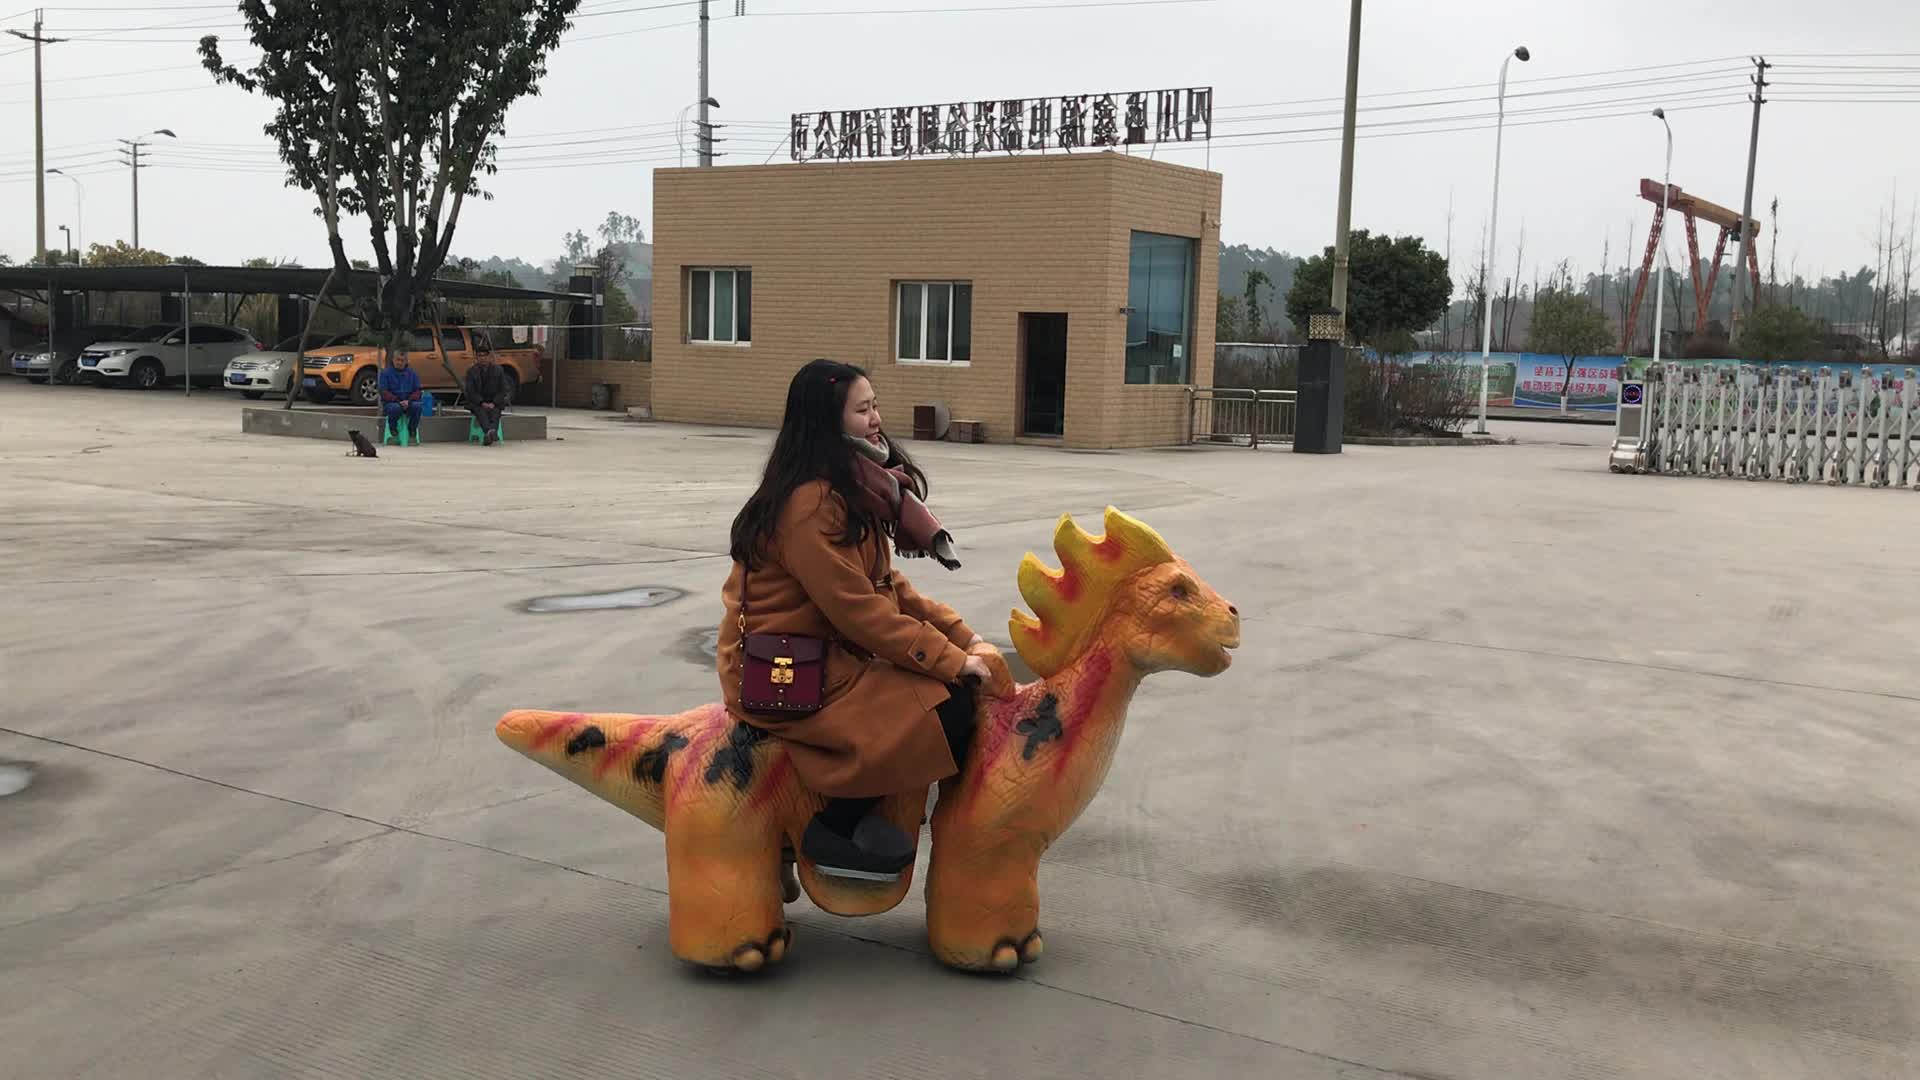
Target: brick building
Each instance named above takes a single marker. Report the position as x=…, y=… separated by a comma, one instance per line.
x=1061, y=297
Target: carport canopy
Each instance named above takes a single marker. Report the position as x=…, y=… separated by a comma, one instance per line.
x=277, y=280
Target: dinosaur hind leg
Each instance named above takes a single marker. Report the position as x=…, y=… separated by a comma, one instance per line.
x=725, y=891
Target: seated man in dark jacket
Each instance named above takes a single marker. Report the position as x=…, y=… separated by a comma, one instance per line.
x=400, y=396
x=487, y=391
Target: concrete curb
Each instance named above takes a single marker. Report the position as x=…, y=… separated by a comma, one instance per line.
x=1464, y=440
x=444, y=427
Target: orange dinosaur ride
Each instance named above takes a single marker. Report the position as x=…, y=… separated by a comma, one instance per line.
x=1122, y=607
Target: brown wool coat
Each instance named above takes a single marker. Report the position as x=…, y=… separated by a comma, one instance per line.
x=891, y=655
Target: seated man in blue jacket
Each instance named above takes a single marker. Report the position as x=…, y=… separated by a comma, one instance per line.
x=400, y=395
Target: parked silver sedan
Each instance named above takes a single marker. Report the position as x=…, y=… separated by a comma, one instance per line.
x=256, y=375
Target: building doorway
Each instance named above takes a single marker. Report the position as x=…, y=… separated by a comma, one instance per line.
x=1043, y=382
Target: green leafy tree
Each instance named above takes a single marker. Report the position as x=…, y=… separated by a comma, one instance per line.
x=1256, y=318
x=1395, y=286
x=389, y=110
x=122, y=253
x=1779, y=332
x=621, y=228
x=1227, y=319
x=1566, y=324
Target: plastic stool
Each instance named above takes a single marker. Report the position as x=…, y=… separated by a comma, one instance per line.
x=475, y=435
x=389, y=424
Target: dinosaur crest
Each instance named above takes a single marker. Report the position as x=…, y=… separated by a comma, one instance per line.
x=1069, y=603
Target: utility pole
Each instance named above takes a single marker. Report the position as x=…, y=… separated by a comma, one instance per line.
x=1344, y=216
x=1740, y=275
x=133, y=149
x=705, y=155
x=1323, y=361
x=39, y=139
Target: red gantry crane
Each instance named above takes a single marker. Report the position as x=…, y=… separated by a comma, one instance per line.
x=1690, y=207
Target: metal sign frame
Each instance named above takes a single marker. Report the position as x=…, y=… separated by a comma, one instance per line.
x=1010, y=125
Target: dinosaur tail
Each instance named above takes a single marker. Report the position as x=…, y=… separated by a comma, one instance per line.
x=621, y=757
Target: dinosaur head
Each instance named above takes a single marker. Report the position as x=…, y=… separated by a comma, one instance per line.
x=1126, y=588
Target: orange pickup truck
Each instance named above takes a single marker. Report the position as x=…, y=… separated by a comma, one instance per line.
x=352, y=370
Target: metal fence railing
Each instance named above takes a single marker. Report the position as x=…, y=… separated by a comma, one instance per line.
x=1760, y=423
x=1248, y=417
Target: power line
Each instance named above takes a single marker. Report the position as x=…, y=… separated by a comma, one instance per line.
x=1848, y=101
x=968, y=10
x=1870, y=54
x=148, y=7
x=1178, y=147
x=1483, y=85
x=630, y=10
x=1569, y=107
x=1718, y=76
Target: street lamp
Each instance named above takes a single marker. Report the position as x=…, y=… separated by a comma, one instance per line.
x=1493, y=220
x=80, y=206
x=680, y=125
x=1660, y=279
x=134, y=145
x=69, y=235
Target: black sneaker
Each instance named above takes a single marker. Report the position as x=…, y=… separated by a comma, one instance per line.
x=877, y=850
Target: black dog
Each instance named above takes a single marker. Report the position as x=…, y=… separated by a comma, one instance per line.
x=361, y=446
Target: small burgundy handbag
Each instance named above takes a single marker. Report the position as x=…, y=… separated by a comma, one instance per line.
x=781, y=673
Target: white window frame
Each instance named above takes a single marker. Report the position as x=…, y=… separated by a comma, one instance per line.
x=899, y=304
x=687, y=323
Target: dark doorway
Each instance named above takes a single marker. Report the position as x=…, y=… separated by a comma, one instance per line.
x=1043, y=387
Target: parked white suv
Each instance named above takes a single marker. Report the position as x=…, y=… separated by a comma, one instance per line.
x=160, y=353
x=271, y=372
x=36, y=362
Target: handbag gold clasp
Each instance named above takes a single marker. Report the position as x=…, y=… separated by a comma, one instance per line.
x=783, y=670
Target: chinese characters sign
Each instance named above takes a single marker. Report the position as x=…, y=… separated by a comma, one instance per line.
x=1071, y=122
x=1594, y=382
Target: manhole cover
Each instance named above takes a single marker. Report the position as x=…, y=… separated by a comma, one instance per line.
x=14, y=777
x=644, y=596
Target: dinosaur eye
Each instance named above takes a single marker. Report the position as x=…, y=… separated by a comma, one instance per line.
x=1181, y=592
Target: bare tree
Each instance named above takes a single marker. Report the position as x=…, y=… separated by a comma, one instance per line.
x=1506, y=315
x=1606, y=268
x=1879, y=301
x=1906, y=282
x=1773, y=250
x=1476, y=293
x=1446, y=317
x=1629, y=334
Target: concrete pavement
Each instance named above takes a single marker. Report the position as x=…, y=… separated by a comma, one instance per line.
x=1525, y=770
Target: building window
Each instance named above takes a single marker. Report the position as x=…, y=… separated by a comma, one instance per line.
x=1160, y=309
x=720, y=305
x=934, y=322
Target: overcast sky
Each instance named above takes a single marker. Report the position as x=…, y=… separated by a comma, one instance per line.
x=606, y=114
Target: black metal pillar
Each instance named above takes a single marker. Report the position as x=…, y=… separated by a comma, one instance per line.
x=291, y=316
x=1323, y=385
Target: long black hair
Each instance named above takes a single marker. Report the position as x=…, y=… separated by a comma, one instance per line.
x=812, y=445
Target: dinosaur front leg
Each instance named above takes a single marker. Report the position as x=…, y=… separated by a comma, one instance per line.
x=725, y=889
x=983, y=903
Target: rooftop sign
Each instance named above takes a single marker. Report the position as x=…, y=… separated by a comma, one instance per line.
x=1069, y=122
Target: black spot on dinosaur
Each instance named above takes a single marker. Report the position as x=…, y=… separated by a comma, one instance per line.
x=652, y=765
x=737, y=756
x=590, y=738
x=1041, y=726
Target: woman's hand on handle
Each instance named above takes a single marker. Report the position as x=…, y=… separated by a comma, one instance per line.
x=989, y=669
